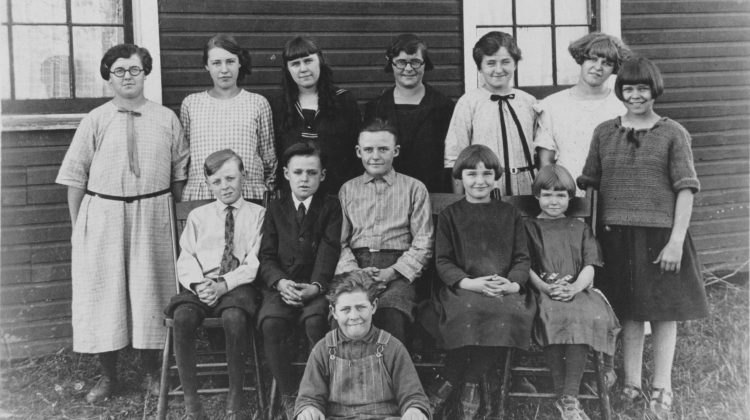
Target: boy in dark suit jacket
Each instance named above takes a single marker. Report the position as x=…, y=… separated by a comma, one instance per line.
x=298, y=256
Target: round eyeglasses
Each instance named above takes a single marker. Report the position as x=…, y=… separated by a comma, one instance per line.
x=120, y=72
x=401, y=64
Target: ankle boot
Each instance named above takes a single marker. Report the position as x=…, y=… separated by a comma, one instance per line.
x=438, y=391
x=469, y=401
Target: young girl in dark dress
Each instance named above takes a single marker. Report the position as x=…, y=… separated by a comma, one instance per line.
x=642, y=165
x=572, y=317
x=483, y=260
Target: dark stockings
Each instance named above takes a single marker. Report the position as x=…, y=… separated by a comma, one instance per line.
x=108, y=361
x=566, y=363
x=468, y=364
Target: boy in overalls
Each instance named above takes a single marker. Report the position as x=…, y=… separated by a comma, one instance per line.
x=359, y=371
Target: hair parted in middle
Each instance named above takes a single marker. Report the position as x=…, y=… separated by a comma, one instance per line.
x=472, y=156
x=556, y=178
x=490, y=43
x=351, y=282
x=227, y=42
x=378, y=124
x=639, y=70
x=410, y=44
x=597, y=44
x=217, y=159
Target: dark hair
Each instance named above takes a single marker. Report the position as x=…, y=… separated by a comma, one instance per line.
x=299, y=47
x=306, y=148
x=125, y=51
x=597, y=44
x=227, y=42
x=490, y=44
x=637, y=70
x=470, y=157
x=378, y=124
x=410, y=44
x=353, y=281
x=216, y=160
x=555, y=178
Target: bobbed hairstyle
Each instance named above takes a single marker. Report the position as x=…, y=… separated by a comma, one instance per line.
x=470, y=157
x=597, y=44
x=298, y=47
x=306, y=148
x=410, y=44
x=124, y=51
x=227, y=42
x=377, y=124
x=351, y=282
x=639, y=70
x=490, y=44
x=556, y=178
x=217, y=159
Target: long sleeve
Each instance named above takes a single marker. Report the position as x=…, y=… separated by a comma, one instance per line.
x=445, y=255
x=459, y=132
x=266, y=149
x=406, y=385
x=520, y=261
x=189, y=270
x=313, y=388
x=412, y=262
x=270, y=269
x=329, y=246
x=351, y=165
x=347, y=262
x=592, y=170
x=180, y=152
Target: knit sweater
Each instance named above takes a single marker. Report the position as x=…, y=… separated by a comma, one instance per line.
x=639, y=172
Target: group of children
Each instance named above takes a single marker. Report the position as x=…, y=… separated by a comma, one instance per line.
x=505, y=279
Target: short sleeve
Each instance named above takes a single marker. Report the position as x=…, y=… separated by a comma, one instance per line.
x=543, y=133
x=592, y=253
x=681, y=168
x=74, y=171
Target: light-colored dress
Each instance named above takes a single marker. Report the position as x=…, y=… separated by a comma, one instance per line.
x=566, y=123
x=476, y=120
x=122, y=268
x=243, y=124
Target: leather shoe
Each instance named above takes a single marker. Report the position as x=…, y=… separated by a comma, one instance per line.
x=103, y=389
x=194, y=415
x=152, y=384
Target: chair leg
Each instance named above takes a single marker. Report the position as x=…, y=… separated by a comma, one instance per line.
x=505, y=385
x=258, y=375
x=163, y=388
x=602, y=387
x=272, y=399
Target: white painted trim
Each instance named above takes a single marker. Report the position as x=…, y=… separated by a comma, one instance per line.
x=145, y=34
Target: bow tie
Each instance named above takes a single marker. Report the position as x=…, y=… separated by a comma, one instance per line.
x=502, y=97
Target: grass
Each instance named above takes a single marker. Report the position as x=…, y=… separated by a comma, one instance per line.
x=710, y=377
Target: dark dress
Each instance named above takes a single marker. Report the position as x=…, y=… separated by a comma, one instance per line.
x=334, y=131
x=565, y=246
x=421, y=134
x=476, y=240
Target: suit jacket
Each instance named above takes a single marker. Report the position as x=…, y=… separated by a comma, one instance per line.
x=305, y=255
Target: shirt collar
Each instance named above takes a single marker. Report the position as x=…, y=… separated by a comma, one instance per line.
x=307, y=202
x=388, y=177
x=368, y=338
x=221, y=207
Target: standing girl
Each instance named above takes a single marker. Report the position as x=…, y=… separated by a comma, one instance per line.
x=482, y=258
x=642, y=165
x=572, y=316
x=496, y=115
x=229, y=117
x=312, y=108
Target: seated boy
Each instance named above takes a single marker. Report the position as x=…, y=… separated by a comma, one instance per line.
x=298, y=255
x=387, y=228
x=216, y=267
x=357, y=370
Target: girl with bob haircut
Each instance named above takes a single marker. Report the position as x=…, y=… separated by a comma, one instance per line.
x=483, y=306
x=420, y=112
x=227, y=116
x=642, y=165
x=567, y=118
x=573, y=316
x=496, y=115
x=312, y=108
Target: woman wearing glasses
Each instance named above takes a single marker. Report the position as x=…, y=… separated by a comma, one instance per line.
x=311, y=108
x=420, y=113
x=229, y=117
x=124, y=159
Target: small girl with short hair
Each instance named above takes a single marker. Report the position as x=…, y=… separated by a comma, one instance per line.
x=572, y=317
x=482, y=258
x=642, y=165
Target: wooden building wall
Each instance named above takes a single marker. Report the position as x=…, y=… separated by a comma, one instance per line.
x=703, y=49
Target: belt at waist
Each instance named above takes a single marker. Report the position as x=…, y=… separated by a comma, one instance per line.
x=521, y=169
x=128, y=199
x=388, y=251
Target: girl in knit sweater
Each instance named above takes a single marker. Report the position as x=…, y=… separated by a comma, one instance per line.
x=642, y=165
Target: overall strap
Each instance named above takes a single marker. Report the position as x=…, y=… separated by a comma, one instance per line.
x=383, y=338
x=331, y=339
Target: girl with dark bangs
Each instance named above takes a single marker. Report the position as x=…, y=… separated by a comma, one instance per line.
x=312, y=108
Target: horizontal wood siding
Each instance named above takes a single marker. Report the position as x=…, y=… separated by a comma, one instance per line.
x=703, y=49
x=35, y=235
x=353, y=35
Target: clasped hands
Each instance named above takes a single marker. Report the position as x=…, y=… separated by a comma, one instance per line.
x=559, y=289
x=382, y=276
x=209, y=291
x=296, y=294
x=490, y=286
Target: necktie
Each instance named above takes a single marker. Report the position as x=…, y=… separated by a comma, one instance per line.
x=526, y=152
x=300, y=217
x=132, y=150
x=228, y=260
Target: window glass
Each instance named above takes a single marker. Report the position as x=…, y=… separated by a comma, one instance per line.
x=571, y=12
x=43, y=71
x=96, y=11
x=533, y=12
x=89, y=45
x=567, y=69
x=3, y=13
x=535, y=67
x=38, y=11
x=4, y=65
x=501, y=13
